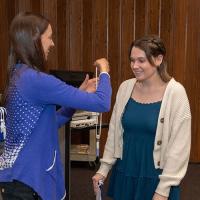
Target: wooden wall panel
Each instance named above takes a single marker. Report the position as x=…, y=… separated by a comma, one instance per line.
x=139, y=13
x=85, y=30
x=114, y=42
x=87, y=55
x=36, y=6
x=99, y=29
x=61, y=34
x=76, y=32
x=4, y=43
x=11, y=11
x=192, y=73
x=179, y=40
x=49, y=10
x=153, y=16
x=127, y=36
x=22, y=5
x=166, y=33
x=67, y=55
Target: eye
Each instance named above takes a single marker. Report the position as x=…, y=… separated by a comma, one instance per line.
x=141, y=60
x=132, y=60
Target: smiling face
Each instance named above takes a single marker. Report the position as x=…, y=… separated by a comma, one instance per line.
x=46, y=40
x=141, y=67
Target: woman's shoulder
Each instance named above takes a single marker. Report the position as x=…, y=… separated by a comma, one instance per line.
x=175, y=86
x=125, y=88
x=34, y=76
x=127, y=83
x=26, y=71
x=176, y=93
x=34, y=81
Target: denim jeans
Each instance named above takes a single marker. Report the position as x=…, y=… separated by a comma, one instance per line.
x=17, y=191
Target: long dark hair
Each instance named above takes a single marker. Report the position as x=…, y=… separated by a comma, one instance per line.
x=25, y=44
x=153, y=46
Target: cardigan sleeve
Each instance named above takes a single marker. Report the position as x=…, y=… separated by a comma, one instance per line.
x=108, y=156
x=109, y=159
x=43, y=89
x=178, y=148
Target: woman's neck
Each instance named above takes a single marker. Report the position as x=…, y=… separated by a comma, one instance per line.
x=151, y=90
x=151, y=83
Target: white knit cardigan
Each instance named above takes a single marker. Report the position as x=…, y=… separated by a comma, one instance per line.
x=173, y=135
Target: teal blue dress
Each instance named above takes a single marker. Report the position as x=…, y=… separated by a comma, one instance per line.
x=135, y=177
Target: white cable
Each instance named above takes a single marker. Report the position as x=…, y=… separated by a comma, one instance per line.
x=2, y=122
x=99, y=192
x=99, y=121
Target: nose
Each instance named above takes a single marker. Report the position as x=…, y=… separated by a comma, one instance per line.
x=134, y=65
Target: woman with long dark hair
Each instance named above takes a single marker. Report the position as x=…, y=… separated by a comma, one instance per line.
x=30, y=166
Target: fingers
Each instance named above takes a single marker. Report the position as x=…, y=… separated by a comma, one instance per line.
x=102, y=65
x=93, y=81
x=83, y=86
x=95, y=184
x=86, y=78
x=96, y=178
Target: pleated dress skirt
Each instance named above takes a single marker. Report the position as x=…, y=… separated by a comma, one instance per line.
x=135, y=177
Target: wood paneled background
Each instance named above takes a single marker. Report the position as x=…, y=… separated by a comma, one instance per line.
x=85, y=30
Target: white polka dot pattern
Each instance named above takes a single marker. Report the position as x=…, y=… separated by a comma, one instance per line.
x=20, y=122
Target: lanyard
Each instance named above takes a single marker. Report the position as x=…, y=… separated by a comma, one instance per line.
x=2, y=124
x=99, y=192
x=99, y=122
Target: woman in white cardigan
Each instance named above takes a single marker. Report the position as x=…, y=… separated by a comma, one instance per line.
x=149, y=136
